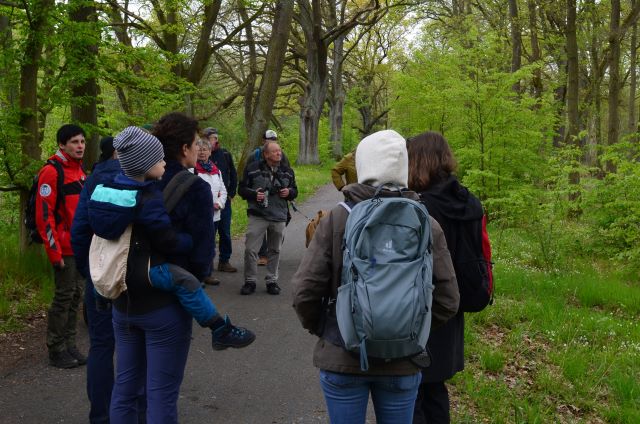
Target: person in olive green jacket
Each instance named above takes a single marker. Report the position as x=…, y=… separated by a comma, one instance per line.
x=344, y=172
x=382, y=159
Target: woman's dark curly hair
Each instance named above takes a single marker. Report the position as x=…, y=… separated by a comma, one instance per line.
x=430, y=160
x=175, y=130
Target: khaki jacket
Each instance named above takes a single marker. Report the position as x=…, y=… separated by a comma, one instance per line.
x=346, y=167
x=319, y=276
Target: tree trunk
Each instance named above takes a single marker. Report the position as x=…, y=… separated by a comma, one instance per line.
x=253, y=72
x=270, y=77
x=337, y=93
x=336, y=111
x=8, y=84
x=535, y=49
x=594, y=128
x=39, y=25
x=81, y=56
x=311, y=111
x=316, y=90
x=632, y=125
x=29, y=78
x=560, y=96
x=614, y=78
x=203, y=52
x=573, y=88
x=516, y=41
x=573, y=114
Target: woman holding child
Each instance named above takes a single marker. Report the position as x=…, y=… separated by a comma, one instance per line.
x=152, y=318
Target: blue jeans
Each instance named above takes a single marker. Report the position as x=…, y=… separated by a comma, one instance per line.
x=100, y=360
x=347, y=396
x=223, y=228
x=152, y=351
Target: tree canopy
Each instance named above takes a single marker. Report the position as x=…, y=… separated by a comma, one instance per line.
x=537, y=98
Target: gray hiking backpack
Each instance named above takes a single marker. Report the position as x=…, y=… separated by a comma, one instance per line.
x=384, y=301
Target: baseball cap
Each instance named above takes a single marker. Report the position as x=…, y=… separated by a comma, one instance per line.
x=270, y=135
x=209, y=131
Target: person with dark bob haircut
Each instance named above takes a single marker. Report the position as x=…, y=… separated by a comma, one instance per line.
x=431, y=168
x=152, y=330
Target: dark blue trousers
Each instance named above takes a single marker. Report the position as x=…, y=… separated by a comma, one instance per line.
x=100, y=361
x=152, y=351
x=432, y=404
x=223, y=228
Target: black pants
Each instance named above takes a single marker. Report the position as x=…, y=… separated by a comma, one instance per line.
x=432, y=404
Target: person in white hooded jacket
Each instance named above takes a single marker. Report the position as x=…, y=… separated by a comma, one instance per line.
x=381, y=160
x=208, y=171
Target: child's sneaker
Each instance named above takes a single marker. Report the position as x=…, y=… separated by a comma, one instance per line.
x=231, y=336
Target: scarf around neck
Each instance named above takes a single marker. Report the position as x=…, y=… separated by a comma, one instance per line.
x=206, y=167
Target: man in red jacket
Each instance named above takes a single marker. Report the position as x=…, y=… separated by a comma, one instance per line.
x=55, y=207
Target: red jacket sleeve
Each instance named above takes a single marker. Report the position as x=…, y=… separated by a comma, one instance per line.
x=45, y=218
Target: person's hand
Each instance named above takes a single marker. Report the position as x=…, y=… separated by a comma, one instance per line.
x=59, y=265
x=284, y=193
x=260, y=196
x=216, y=206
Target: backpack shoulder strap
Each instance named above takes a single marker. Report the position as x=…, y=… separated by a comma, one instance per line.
x=177, y=187
x=60, y=184
x=346, y=206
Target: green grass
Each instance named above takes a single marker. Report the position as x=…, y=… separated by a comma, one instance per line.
x=26, y=283
x=560, y=346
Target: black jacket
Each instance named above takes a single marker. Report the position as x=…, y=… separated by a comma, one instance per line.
x=451, y=204
x=258, y=175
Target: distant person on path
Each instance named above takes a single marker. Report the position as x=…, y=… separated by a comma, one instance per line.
x=100, y=370
x=344, y=172
x=431, y=167
x=267, y=185
x=269, y=135
x=224, y=161
x=55, y=208
x=208, y=171
x=381, y=161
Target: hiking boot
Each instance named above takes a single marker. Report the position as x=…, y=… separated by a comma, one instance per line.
x=262, y=261
x=62, y=360
x=248, y=288
x=75, y=353
x=273, y=288
x=211, y=281
x=231, y=336
x=226, y=267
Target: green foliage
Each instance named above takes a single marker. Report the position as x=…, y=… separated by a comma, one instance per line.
x=146, y=78
x=612, y=209
x=459, y=88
